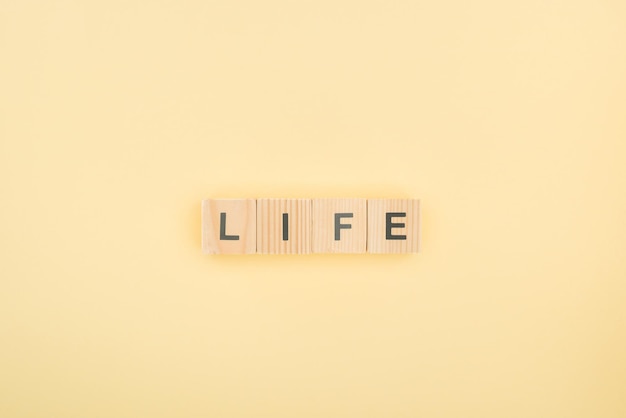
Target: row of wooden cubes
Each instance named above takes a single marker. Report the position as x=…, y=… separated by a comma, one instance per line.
x=304, y=226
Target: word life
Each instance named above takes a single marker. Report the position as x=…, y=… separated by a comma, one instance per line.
x=305, y=226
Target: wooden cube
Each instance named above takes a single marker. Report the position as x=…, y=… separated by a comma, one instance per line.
x=339, y=225
x=283, y=226
x=229, y=226
x=393, y=225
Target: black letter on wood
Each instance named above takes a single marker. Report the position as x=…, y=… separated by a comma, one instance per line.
x=395, y=225
x=223, y=235
x=285, y=227
x=339, y=226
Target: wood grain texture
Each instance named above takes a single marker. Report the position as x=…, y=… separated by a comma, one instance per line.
x=270, y=231
x=378, y=222
x=238, y=233
x=324, y=235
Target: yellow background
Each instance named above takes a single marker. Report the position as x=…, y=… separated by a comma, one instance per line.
x=507, y=118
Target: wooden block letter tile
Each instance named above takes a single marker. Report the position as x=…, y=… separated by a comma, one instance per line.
x=283, y=226
x=339, y=225
x=393, y=225
x=229, y=226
